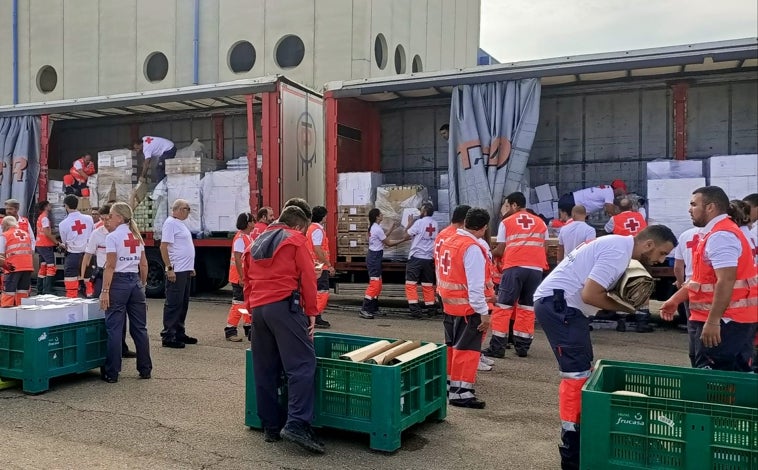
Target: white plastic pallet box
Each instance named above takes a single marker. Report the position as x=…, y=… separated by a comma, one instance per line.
x=8, y=316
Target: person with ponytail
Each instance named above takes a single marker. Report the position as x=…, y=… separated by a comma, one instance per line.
x=123, y=293
x=377, y=240
x=240, y=245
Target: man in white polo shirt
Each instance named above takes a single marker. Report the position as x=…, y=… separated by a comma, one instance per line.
x=178, y=255
x=575, y=232
x=576, y=289
x=155, y=149
x=74, y=230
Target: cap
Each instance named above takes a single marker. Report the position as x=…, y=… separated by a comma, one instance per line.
x=619, y=184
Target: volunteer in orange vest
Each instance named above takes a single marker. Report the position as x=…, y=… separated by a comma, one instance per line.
x=240, y=244
x=12, y=207
x=318, y=245
x=45, y=248
x=457, y=221
x=723, y=291
x=81, y=170
x=461, y=285
x=17, y=255
x=420, y=265
x=74, y=230
x=739, y=212
x=521, y=243
x=574, y=291
x=377, y=240
x=627, y=222
x=264, y=219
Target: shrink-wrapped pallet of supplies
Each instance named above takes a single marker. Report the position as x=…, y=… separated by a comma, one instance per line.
x=225, y=194
x=397, y=203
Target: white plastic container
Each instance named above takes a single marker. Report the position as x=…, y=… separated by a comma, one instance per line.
x=8, y=316
x=41, y=316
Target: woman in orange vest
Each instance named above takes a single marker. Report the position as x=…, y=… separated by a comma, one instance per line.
x=16, y=254
x=318, y=245
x=377, y=240
x=46, y=243
x=240, y=244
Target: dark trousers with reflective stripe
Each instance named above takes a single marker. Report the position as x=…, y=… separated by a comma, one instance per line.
x=735, y=353
x=464, y=344
x=281, y=343
x=127, y=298
x=176, y=306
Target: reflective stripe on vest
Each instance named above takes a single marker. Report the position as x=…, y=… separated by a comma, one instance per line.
x=524, y=241
x=233, y=275
x=744, y=296
x=452, y=285
x=324, y=242
x=42, y=240
x=18, y=249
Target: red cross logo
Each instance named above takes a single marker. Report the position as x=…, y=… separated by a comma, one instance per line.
x=632, y=225
x=525, y=221
x=131, y=243
x=20, y=234
x=446, y=262
x=692, y=244
x=430, y=230
x=79, y=227
x=148, y=140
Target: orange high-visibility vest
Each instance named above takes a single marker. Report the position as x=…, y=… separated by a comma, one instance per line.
x=743, y=306
x=524, y=241
x=234, y=277
x=87, y=168
x=443, y=235
x=489, y=281
x=452, y=284
x=324, y=242
x=18, y=249
x=628, y=223
x=496, y=269
x=42, y=239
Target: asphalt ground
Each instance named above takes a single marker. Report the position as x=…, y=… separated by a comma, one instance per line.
x=191, y=413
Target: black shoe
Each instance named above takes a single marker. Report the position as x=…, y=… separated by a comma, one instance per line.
x=302, y=436
x=621, y=325
x=321, y=323
x=128, y=354
x=474, y=403
x=366, y=315
x=145, y=375
x=416, y=314
x=271, y=435
x=107, y=378
x=248, y=332
x=491, y=353
x=521, y=353
x=173, y=344
x=187, y=340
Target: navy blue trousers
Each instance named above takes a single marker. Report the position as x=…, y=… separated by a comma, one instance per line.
x=735, y=353
x=127, y=299
x=281, y=343
x=176, y=306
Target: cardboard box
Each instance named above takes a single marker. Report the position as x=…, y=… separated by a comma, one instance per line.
x=8, y=316
x=544, y=208
x=353, y=240
x=444, y=181
x=115, y=158
x=54, y=186
x=736, y=187
x=350, y=210
x=352, y=223
x=673, y=188
x=543, y=193
x=357, y=188
x=91, y=309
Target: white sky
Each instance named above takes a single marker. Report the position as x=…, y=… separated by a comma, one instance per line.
x=537, y=29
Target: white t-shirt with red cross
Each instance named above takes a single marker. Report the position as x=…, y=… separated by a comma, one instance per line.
x=96, y=245
x=155, y=146
x=75, y=230
x=424, y=232
x=684, y=251
x=127, y=247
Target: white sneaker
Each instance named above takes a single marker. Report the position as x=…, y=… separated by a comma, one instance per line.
x=484, y=367
x=486, y=360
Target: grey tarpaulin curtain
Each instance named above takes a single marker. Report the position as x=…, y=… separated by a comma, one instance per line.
x=19, y=150
x=492, y=129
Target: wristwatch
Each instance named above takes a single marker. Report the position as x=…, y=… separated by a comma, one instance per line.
x=169, y=268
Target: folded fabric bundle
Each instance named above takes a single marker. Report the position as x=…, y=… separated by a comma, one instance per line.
x=635, y=287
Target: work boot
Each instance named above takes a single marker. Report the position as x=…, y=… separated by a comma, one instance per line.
x=375, y=308
x=302, y=435
x=230, y=333
x=497, y=347
x=621, y=325
x=643, y=322
x=474, y=403
x=569, y=449
x=248, y=332
x=49, y=285
x=430, y=310
x=415, y=310
x=321, y=323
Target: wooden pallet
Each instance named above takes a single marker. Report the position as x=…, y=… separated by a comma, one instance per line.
x=351, y=258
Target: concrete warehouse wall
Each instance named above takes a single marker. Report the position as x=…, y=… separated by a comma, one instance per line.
x=80, y=48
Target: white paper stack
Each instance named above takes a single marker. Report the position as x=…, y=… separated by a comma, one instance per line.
x=8, y=316
x=442, y=219
x=186, y=187
x=357, y=189
x=226, y=194
x=737, y=175
x=40, y=316
x=443, y=200
x=665, y=169
x=669, y=201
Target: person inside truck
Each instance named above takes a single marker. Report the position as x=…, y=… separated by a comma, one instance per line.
x=593, y=199
x=627, y=221
x=156, y=151
x=80, y=171
x=420, y=266
x=445, y=131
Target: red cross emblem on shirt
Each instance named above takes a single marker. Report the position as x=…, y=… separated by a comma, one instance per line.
x=632, y=225
x=692, y=244
x=525, y=221
x=131, y=243
x=430, y=230
x=148, y=140
x=79, y=227
x=445, y=262
x=20, y=234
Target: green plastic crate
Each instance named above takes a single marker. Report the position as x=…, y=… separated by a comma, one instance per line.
x=381, y=401
x=35, y=355
x=692, y=418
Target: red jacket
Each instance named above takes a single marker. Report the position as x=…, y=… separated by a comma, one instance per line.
x=272, y=276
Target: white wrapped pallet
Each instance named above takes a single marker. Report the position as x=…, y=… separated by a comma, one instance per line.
x=392, y=201
x=357, y=188
x=669, y=201
x=226, y=194
x=187, y=187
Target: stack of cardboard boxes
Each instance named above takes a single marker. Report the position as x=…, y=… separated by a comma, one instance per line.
x=356, y=193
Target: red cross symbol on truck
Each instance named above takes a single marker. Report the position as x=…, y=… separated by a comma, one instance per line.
x=525, y=221
x=446, y=262
x=430, y=230
x=692, y=244
x=148, y=140
x=79, y=227
x=131, y=243
x=632, y=225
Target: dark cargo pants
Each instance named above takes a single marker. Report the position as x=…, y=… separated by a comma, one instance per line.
x=127, y=299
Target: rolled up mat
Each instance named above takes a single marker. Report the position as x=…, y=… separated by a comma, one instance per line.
x=385, y=357
x=413, y=354
x=635, y=287
x=360, y=355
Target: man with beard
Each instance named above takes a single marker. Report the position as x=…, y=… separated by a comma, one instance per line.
x=723, y=291
x=576, y=289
